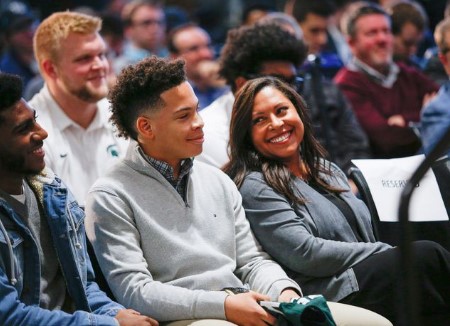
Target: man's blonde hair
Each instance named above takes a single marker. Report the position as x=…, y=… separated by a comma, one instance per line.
x=439, y=35
x=56, y=28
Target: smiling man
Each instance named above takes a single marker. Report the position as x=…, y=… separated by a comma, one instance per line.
x=387, y=97
x=170, y=232
x=46, y=276
x=72, y=106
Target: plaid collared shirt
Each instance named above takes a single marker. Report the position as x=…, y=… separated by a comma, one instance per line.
x=167, y=171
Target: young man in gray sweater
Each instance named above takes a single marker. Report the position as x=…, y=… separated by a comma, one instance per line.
x=170, y=233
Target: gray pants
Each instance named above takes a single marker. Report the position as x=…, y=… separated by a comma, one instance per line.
x=344, y=315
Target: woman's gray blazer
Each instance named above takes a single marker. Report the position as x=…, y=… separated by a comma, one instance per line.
x=313, y=242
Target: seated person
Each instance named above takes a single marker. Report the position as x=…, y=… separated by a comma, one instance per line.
x=435, y=116
x=386, y=97
x=170, y=232
x=46, y=276
x=303, y=213
x=193, y=44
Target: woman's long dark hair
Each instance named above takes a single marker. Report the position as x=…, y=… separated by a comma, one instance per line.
x=244, y=158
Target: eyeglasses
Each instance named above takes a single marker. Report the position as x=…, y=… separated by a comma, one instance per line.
x=149, y=22
x=295, y=81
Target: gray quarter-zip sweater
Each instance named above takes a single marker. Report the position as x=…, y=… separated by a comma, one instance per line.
x=168, y=258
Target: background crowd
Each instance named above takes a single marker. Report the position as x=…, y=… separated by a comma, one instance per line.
x=196, y=31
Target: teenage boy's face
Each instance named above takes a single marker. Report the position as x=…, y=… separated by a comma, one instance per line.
x=177, y=127
x=21, y=141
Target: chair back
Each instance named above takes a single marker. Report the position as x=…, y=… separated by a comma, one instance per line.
x=388, y=232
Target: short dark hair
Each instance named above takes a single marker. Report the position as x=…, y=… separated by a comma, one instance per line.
x=174, y=31
x=267, y=6
x=130, y=9
x=322, y=8
x=11, y=87
x=248, y=47
x=360, y=11
x=138, y=89
x=406, y=12
x=112, y=25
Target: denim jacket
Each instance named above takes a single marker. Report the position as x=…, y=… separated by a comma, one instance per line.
x=20, y=273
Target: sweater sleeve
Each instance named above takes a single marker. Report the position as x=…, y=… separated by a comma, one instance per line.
x=115, y=237
x=288, y=237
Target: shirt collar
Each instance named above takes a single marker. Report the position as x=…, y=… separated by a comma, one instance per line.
x=165, y=169
x=100, y=120
x=386, y=81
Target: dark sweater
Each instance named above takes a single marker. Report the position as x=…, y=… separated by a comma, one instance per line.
x=374, y=104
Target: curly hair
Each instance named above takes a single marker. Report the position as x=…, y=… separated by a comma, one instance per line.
x=10, y=91
x=247, y=48
x=138, y=90
x=56, y=28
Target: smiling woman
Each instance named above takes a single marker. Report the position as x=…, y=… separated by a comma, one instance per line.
x=303, y=213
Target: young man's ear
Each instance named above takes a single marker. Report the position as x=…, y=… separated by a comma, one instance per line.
x=144, y=127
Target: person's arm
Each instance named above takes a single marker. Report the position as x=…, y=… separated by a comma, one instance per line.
x=290, y=238
x=115, y=237
x=434, y=122
x=100, y=304
x=15, y=312
x=376, y=126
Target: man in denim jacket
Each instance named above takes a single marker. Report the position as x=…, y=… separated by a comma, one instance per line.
x=46, y=277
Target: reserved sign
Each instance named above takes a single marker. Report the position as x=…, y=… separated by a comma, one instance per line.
x=386, y=179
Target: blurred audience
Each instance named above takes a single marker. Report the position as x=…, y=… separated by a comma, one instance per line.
x=193, y=44
x=435, y=119
x=387, y=97
x=17, y=27
x=409, y=21
x=266, y=49
x=145, y=28
x=433, y=66
x=255, y=10
x=314, y=17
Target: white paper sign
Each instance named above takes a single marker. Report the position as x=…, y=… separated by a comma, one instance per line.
x=386, y=180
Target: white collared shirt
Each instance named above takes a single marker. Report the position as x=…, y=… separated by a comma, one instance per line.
x=217, y=118
x=385, y=81
x=77, y=155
